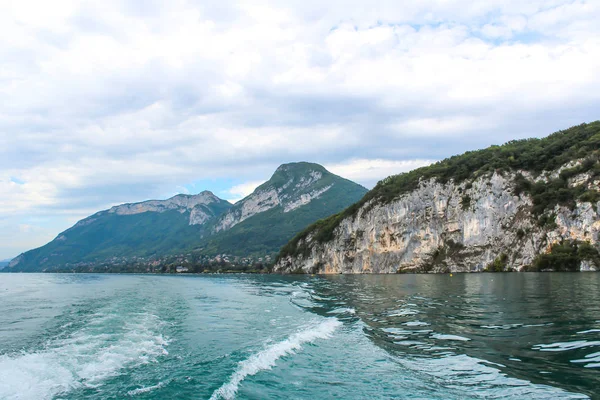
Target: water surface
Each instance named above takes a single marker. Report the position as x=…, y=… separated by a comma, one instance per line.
x=474, y=336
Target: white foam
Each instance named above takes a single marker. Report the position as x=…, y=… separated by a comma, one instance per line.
x=441, y=336
x=267, y=358
x=591, y=360
x=343, y=310
x=588, y=331
x=146, y=389
x=564, y=346
x=85, y=358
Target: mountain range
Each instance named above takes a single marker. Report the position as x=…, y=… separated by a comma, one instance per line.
x=201, y=226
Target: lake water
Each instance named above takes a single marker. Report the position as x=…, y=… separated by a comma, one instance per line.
x=524, y=336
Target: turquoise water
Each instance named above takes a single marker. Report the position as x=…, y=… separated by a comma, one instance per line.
x=525, y=336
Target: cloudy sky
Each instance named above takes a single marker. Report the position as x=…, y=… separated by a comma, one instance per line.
x=120, y=101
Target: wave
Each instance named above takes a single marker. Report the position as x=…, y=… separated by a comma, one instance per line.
x=84, y=358
x=267, y=358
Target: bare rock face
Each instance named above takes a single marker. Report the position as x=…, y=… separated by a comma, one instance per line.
x=199, y=216
x=181, y=203
x=305, y=198
x=257, y=202
x=434, y=229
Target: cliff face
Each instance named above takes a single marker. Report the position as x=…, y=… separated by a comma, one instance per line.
x=432, y=229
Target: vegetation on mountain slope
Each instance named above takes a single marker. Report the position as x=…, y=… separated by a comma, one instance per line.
x=566, y=256
x=141, y=235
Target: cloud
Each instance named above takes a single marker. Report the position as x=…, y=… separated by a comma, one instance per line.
x=242, y=190
x=119, y=103
x=369, y=172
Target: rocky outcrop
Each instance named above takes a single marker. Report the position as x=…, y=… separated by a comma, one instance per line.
x=257, y=202
x=305, y=198
x=181, y=203
x=448, y=227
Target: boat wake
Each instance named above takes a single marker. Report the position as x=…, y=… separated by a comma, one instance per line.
x=267, y=358
x=101, y=348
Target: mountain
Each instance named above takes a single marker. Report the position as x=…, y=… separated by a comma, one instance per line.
x=4, y=263
x=143, y=229
x=527, y=205
x=297, y=195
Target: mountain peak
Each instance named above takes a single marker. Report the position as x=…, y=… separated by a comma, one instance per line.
x=292, y=174
x=299, y=166
x=296, y=195
x=205, y=194
x=297, y=169
x=292, y=186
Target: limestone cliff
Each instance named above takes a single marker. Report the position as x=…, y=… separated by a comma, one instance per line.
x=461, y=223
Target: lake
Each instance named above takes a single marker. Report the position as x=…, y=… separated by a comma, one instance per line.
x=519, y=335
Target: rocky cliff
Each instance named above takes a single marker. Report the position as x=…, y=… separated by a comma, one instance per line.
x=503, y=212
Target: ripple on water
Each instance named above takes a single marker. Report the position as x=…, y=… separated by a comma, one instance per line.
x=461, y=372
x=441, y=336
x=565, y=346
x=589, y=361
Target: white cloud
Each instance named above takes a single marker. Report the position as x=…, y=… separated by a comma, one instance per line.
x=447, y=126
x=238, y=192
x=369, y=172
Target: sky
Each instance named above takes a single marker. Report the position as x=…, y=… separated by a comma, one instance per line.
x=121, y=101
